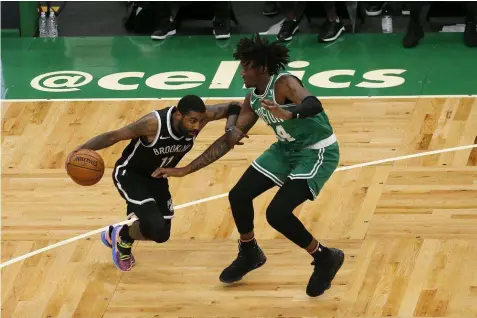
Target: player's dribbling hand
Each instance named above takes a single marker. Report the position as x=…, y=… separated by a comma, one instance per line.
x=169, y=172
x=276, y=110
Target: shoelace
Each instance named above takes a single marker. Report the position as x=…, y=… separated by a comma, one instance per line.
x=125, y=256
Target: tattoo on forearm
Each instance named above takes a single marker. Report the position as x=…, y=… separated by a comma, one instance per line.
x=217, y=112
x=99, y=142
x=218, y=149
x=245, y=127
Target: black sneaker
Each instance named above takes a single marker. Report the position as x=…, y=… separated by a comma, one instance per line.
x=250, y=257
x=414, y=34
x=330, y=31
x=374, y=8
x=288, y=28
x=221, y=28
x=166, y=28
x=324, y=272
x=470, y=34
x=270, y=8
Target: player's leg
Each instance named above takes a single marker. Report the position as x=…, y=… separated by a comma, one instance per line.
x=154, y=217
x=268, y=170
x=147, y=199
x=312, y=168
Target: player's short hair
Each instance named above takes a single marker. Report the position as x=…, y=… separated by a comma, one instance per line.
x=191, y=103
x=261, y=53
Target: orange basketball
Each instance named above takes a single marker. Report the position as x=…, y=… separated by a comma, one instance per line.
x=85, y=167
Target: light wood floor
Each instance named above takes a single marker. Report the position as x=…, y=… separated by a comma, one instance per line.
x=408, y=228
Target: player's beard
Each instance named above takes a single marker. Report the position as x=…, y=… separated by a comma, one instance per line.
x=183, y=131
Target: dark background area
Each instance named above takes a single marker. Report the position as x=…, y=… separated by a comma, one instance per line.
x=98, y=18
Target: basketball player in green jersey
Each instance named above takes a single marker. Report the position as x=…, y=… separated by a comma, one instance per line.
x=300, y=162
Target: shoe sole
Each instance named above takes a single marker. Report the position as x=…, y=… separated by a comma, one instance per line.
x=335, y=37
x=222, y=36
x=162, y=37
x=240, y=278
x=106, y=243
x=267, y=14
x=291, y=36
x=373, y=13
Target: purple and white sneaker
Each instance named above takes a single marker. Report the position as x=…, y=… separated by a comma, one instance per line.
x=123, y=262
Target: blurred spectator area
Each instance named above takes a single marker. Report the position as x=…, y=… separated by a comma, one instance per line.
x=97, y=18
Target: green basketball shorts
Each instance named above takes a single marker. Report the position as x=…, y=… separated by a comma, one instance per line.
x=314, y=165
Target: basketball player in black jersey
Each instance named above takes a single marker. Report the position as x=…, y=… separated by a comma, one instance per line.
x=158, y=140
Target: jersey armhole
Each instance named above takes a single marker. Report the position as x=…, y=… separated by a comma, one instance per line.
x=157, y=134
x=273, y=92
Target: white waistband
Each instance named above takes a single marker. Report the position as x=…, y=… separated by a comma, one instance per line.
x=323, y=143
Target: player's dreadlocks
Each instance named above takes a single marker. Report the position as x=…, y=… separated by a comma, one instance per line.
x=261, y=53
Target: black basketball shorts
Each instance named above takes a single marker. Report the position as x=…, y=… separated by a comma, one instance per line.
x=138, y=189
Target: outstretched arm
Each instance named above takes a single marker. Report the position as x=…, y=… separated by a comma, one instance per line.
x=230, y=111
x=219, y=148
x=146, y=126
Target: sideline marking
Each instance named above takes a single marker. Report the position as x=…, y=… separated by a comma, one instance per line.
x=58, y=244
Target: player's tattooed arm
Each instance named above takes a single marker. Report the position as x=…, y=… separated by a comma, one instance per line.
x=230, y=111
x=146, y=126
x=219, y=148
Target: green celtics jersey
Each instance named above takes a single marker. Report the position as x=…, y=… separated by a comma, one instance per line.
x=293, y=133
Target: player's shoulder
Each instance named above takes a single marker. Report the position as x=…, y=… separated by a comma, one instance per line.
x=284, y=78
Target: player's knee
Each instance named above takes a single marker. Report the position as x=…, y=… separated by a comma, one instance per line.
x=155, y=228
x=162, y=235
x=237, y=195
x=275, y=216
x=157, y=232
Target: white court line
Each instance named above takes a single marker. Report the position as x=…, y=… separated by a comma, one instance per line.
x=46, y=248
x=228, y=98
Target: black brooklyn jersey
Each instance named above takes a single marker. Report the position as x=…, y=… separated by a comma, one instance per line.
x=166, y=150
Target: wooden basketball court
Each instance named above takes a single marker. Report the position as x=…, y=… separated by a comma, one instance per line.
x=408, y=228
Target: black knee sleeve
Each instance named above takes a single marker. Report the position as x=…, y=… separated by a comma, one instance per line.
x=280, y=212
x=274, y=216
x=155, y=229
x=152, y=223
x=250, y=185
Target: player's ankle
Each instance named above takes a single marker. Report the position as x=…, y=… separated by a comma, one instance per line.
x=124, y=235
x=320, y=251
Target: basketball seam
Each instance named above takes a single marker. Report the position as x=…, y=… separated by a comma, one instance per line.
x=95, y=158
x=70, y=164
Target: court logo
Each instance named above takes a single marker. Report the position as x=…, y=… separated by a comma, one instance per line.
x=225, y=77
x=61, y=81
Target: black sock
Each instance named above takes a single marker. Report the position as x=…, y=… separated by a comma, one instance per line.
x=248, y=244
x=124, y=234
x=321, y=252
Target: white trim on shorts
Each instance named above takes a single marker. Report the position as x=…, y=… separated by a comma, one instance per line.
x=316, y=167
x=267, y=174
x=138, y=143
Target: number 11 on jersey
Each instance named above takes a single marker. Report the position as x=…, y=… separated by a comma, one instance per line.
x=282, y=135
x=166, y=161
